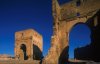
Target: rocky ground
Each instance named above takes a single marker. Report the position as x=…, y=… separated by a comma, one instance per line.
x=38, y=62
x=19, y=62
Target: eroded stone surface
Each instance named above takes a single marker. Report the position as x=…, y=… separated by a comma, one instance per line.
x=65, y=17
x=28, y=45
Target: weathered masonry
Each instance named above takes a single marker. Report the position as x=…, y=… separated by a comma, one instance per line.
x=28, y=45
x=66, y=16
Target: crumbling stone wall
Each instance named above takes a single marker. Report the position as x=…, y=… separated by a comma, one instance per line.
x=65, y=17
x=32, y=43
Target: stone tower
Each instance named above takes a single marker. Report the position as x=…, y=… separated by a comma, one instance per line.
x=28, y=45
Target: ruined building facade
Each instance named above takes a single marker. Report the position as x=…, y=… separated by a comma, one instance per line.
x=65, y=17
x=28, y=45
x=91, y=51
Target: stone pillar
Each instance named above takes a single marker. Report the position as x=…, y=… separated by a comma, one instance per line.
x=29, y=53
x=21, y=55
x=63, y=57
x=31, y=57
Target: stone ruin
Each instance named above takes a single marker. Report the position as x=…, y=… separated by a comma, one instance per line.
x=28, y=45
x=65, y=17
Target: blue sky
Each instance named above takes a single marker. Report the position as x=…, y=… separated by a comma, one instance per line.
x=16, y=15
x=78, y=37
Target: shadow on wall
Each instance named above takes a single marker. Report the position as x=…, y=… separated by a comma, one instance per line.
x=91, y=52
x=37, y=53
x=63, y=58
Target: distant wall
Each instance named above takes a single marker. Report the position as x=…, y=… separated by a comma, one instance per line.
x=5, y=57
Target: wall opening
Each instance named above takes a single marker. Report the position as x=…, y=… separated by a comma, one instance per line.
x=79, y=36
x=23, y=48
x=37, y=53
x=90, y=52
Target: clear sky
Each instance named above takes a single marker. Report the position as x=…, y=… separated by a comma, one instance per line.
x=16, y=15
x=78, y=37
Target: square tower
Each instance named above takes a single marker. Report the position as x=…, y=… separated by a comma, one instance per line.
x=28, y=45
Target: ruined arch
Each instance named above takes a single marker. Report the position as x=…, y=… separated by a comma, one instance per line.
x=37, y=52
x=24, y=48
x=75, y=42
x=64, y=42
x=91, y=53
x=23, y=51
x=65, y=17
x=92, y=49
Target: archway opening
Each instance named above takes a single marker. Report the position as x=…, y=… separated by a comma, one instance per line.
x=23, y=48
x=79, y=37
x=37, y=53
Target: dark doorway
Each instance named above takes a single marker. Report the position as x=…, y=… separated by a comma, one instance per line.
x=23, y=48
x=37, y=53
